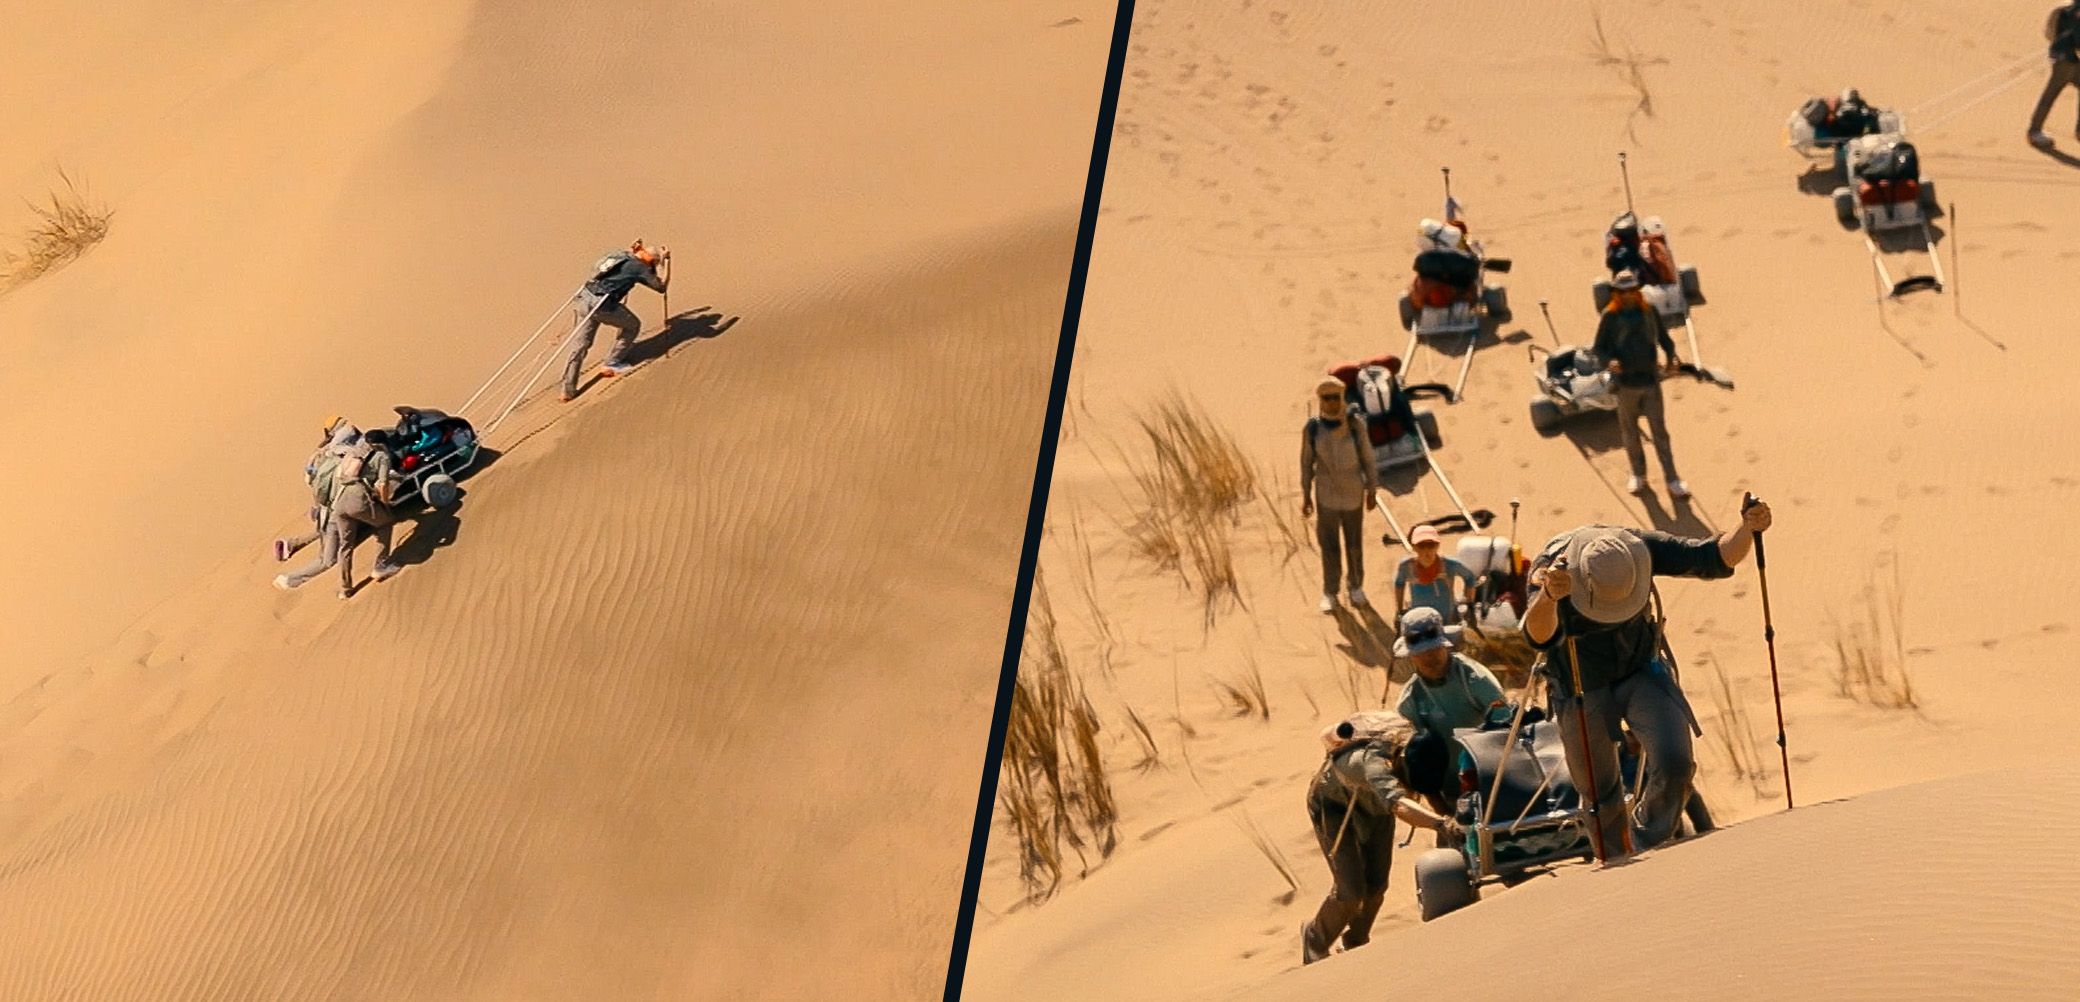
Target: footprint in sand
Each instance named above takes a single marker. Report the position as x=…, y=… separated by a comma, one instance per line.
x=1436, y=123
x=1889, y=523
x=2055, y=628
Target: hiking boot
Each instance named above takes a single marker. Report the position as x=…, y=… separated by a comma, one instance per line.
x=384, y=571
x=1311, y=946
x=2040, y=140
x=281, y=550
x=615, y=369
x=346, y=593
x=1357, y=597
x=1635, y=485
x=1679, y=490
x=281, y=581
x=1328, y=604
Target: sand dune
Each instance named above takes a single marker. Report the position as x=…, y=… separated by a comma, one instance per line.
x=1268, y=169
x=695, y=658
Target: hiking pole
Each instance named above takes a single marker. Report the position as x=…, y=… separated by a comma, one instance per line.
x=1550, y=329
x=1769, y=636
x=524, y=345
x=1581, y=716
x=1626, y=172
x=1956, y=298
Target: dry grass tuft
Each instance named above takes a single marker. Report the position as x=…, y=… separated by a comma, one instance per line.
x=1505, y=652
x=65, y=228
x=1270, y=853
x=1246, y=694
x=1054, y=789
x=1736, y=732
x=1151, y=756
x=1193, y=481
x=1871, y=654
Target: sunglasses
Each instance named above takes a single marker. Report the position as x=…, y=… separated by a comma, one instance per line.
x=1425, y=634
x=1332, y=398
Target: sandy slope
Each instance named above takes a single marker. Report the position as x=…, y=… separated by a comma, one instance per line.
x=1268, y=169
x=633, y=723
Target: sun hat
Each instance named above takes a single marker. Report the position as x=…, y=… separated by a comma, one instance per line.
x=1422, y=629
x=1613, y=573
x=1424, y=534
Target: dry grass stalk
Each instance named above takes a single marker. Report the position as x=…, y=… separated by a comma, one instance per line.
x=1504, y=652
x=1736, y=732
x=1270, y=853
x=1151, y=756
x=1246, y=695
x=1871, y=654
x=1054, y=788
x=64, y=229
x=1629, y=64
x=1193, y=481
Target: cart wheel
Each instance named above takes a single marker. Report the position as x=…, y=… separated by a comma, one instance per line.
x=1845, y=205
x=1930, y=208
x=1693, y=293
x=1546, y=415
x=1443, y=884
x=1426, y=422
x=1408, y=313
x=1496, y=299
x=440, y=490
x=1602, y=294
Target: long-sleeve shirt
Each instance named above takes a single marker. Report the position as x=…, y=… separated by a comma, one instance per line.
x=615, y=285
x=1612, y=652
x=1628, y=336
x=1337, y=467
x=1460, y=699
x=1360, y=777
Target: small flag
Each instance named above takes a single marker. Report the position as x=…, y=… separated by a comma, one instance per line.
x=1451, y=209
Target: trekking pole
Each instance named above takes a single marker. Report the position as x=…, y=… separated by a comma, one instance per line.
x=1581, y=716
x=1550, y=329
x=1626, y=172
x=1769, y=636
x=515, y=357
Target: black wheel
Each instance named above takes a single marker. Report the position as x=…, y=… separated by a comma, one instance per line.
x=1426, y=422
x=1496, y=299
x=1845, y=205
x=1929, y=206
x=1545, y=414
x=440, y=490
x=1408, y=313
x=1443, y=884
x=1602, y=293
x=1693, y=292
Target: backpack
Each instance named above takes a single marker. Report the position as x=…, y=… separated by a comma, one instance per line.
x=335, y=470
x=1816, y=112
x=1365, y=727
x=605, y=265
x=1894, y=162
x=1454, y=269
x=1377, y=393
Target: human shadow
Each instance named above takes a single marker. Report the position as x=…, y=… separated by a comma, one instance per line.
x=1679, y=518
x=1361, y=642
x=2058, y=155
x=698, y=324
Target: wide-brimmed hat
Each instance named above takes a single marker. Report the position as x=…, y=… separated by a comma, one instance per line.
x=1613, y=573
x=1422, y=629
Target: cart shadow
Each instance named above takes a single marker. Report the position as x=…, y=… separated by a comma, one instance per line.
x=1820, y=181
x=432, y=530
x=1448, y=351
x=1907, y=239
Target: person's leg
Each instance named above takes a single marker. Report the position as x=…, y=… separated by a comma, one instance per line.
x=1628, y=428
x=1654, y=710
x=328, y=554
x=626, y=326
x=1352, y=524
x=1328, y=534
x=1600, y=751
x=1346, y=873
x=2054, y=85
x=1650, y=404
x=351, y=531
x=1376, y=849
x=581, y=342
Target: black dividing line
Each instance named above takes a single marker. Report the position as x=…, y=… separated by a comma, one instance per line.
x=1036, y=514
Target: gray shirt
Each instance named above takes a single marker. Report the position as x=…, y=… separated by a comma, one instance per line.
x=1337, y=466
x=1360, y=777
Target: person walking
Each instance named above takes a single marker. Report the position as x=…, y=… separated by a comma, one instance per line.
x=603, y=301
x=1626, y=339
x=353, y=489
x=1338, y=475
x=1594, y=585
x=2062, y=30
x=1448, y=691
x=1352, y=803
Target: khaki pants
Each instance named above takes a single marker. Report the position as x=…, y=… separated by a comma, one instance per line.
x=1341, y=535
x=626, y=326
x=1635, y=402
x=1359, y=867
x=2063, y=74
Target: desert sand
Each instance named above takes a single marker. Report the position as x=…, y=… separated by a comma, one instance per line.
x=688, y=698
x=1269, y=166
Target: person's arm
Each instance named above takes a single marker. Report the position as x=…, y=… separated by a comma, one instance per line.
x=1483, y=684
x=1668, y=344
x=1415, y=814
x=1307, y=469
x=1368, y=461
x=1606, y=347
x=1380, y=777
x=1401, y=588
x=1542, y=614
x=1406, y=705
x=1735, y=543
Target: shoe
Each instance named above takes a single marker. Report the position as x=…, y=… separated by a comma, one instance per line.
x=384, y=571
x=1635, y=485
x=281, y=581
x=1679, y=490
x=345, y=594
x=1328, y=604
x=568, y=397
x=615, y=369
x=1311, y=946
x=2040, y=140
x=281, y=550
x=1357, y=597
